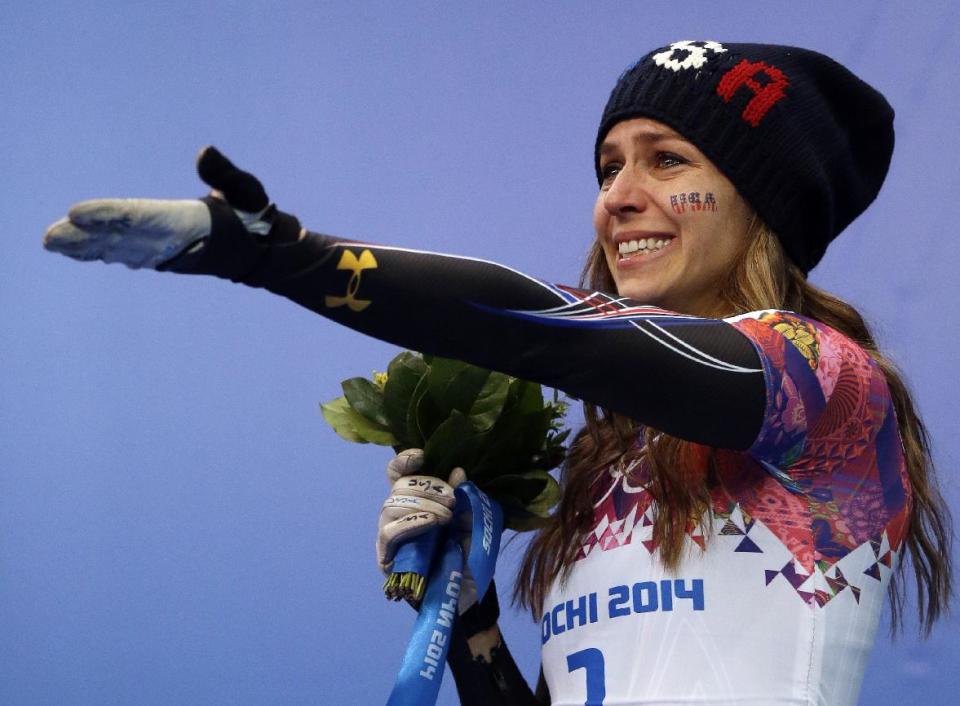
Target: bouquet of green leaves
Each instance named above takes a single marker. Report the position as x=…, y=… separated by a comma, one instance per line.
x=499, y=429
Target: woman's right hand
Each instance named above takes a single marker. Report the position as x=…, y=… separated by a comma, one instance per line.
x=152, y=233
x=416, y=504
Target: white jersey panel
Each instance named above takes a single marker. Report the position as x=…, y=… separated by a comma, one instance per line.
x=728, y=628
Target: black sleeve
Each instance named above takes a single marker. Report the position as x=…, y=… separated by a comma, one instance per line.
x=494, y=683
x=497, y=682
x=699, y=379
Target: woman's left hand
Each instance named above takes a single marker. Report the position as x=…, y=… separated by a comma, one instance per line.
x=415, y=505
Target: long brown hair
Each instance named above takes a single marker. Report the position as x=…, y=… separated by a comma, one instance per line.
x=681, y=472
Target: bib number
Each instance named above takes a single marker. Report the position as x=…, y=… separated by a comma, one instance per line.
x=591, y=661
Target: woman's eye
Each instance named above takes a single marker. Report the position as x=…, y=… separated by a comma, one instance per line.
x=669, y=159
x=609, y=171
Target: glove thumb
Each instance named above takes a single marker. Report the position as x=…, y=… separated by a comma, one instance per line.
x=240, y=189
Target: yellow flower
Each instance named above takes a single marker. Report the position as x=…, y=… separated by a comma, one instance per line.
x=379, y=379
x=802, y=336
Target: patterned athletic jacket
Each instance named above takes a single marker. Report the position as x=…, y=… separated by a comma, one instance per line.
x=779, y=603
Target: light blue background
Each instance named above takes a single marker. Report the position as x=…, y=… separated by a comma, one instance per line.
x=177, y=524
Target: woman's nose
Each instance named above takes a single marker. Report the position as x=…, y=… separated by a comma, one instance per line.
x=627, y=194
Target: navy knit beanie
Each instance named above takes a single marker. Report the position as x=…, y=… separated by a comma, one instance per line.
x=803, y=140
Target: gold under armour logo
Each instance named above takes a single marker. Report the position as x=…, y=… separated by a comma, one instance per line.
x=349, y=261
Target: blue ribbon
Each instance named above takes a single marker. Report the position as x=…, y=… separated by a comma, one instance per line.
x=418, y=681
x=416, y=555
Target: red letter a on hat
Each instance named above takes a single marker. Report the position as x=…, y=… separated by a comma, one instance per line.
x=743, y=74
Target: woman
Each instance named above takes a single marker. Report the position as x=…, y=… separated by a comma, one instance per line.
x=745, y=486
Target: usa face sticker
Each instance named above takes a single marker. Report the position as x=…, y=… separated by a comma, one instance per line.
x=694, y=201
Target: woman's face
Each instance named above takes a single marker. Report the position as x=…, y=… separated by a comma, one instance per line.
x=670, y=224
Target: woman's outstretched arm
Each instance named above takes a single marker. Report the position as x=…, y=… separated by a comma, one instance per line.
x=699, y=379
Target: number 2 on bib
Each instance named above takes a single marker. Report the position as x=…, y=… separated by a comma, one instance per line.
x=591, y=661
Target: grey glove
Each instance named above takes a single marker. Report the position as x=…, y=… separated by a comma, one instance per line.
x=416, y=504
x=146, y=233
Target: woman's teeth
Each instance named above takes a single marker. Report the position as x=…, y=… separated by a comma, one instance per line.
x=641, y=246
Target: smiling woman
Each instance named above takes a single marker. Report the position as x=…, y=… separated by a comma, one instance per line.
x=662, y=250
x=745, y=487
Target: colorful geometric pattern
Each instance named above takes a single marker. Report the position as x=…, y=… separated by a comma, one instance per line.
x=826, y=475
